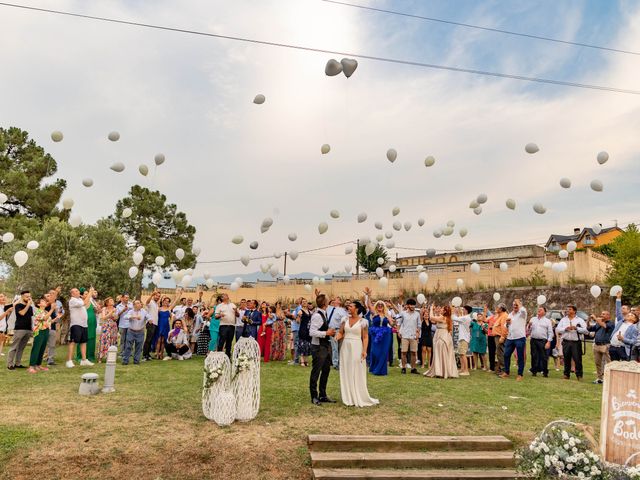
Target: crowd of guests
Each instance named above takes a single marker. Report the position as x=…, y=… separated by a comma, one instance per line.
x=445, y=341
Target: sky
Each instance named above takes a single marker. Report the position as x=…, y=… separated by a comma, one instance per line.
x=231, y=163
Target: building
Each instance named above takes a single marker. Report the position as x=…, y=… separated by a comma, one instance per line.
x=585, y=238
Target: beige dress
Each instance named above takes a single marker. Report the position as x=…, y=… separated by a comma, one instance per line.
x=444, y=357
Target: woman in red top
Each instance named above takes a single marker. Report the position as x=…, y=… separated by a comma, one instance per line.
x=491, y=339
x=265, y=332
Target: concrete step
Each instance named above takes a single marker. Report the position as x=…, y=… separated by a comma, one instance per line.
x=457, y=459
x=386, y=443
x=400, y=474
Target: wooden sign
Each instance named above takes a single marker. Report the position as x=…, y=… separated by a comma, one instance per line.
x=620, y=421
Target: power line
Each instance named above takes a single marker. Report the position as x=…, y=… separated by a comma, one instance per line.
x=289, y=252
x=479, y=27
x=332, y=52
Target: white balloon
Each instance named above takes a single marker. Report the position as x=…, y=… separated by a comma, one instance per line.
x=597, y=228
x=293, y=254
x=322, y=228
x=20, y=257
x=315, y=280
x=333, y=68
x=156, y=278
x=186, y=281
x=293, y=237
x=348, y=250
x=475, y=268
x=477, y=210
x=474, y=204
x=206, y=275
x=602, y=157
x=196, y=250
x=140, y=249
x=334, y=214
x=117, y=167
x=615, y=290
x=383, y=282
x=482, y=198
x=447, y=231
x=541, y=300
x=407, y=226
x=431, y=252
x=325, y=148
x=273, y=271
x=87, y=182
x=57, y=136
x=423, y=278
x=370, y=248
x=456, y=301
x=379, y=272
x=571, y=246
x=388, y=234
x=538, y=208
x=253, y=245
x=75, y=221
x=429, y=161
x=245, y=260
x=397, y=226
x=563, y=254
x=395, y=211
x=451, y=223
x=67, y=203
x=362, y=217
x=349, y=66
x=126, y=212
x=209, y=283
x=159, y=159
x=595, y=291
x=531, y=148
x=259, y=99
x=596, y=185
x=390, y=244
x=392, y=268
x=364, y=240
x=239, y=280
x=458, y=247
x=496, y=297
x=419, y=268
x=547, y=264
x=277, y=255
x=379, y=237
x=234, y=286
x=159, y=261
x=179, y=253
x=133, y=272
x=137, y=258
x=421, y=222
x=143, y=169
x=511, y=204
x=504, y=266
x=459, y=282
x=421, y=298
x=264, y=268
x=378, y=225
x=555, y=267
x=286, y=279
x=238, y=239
x=347, y=268
x=8, y=237
x=463, y=232
x=113, y=136
x=307, y=287
x=392, y=155
x=380, y=261
x=267, y=223
x=565, y=182
x=33, y=244
x=325, y=268
x=437, y=232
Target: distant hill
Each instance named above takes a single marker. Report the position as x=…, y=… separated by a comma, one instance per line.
x=227, y=279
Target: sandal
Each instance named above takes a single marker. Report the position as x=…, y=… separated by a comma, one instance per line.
x=32, y=370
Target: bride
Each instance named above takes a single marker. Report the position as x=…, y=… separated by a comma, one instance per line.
x=353, y=356
x=443, y=364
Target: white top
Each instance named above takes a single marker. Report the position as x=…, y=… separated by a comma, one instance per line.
x=137, y=319
x=336, y=316
x=77, y=312
x=409, y=323
x=464, y=323
x=227, y=312
x=239, y=322
x=518, y=326
x=541, y=328
x=3, y=322
x=152, y=311
x=622, y=330
x=571, y=335
x=314, y=327
x=179, y=339
x=179, y=312
x=354, y=332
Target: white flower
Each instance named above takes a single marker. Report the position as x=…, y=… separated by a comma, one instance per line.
x=572, y=442
x=574, y=450
x=545, y=448
x=569, y=466
x=580, y=475
x=565, y=435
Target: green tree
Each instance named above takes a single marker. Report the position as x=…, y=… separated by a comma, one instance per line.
x=625, y=269
x=370, y=262
x=89, y=255
x=24, y=169
x=156, y=225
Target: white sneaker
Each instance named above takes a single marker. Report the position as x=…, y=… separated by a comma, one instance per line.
x=166, y=358
x=86, y=363
x=180, y=357
x=69, y=364
x=464, y=374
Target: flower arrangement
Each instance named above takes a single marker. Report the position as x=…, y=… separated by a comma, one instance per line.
x=212, y=376
x=243, y=365
x=569, y=453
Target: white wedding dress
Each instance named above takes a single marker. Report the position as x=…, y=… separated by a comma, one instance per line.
x=353, y=369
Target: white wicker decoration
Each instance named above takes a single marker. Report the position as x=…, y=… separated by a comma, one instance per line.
x=218, y=402
x=246, y=380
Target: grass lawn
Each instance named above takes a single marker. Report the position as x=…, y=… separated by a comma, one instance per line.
x=152, y=427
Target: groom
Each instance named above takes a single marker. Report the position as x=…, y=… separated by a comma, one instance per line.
x=320, y=351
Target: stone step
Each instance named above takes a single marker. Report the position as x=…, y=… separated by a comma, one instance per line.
x=349, y=474
x=386, y=443
x=478, y=459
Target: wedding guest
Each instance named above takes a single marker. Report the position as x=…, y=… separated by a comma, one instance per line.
x=464, y=336
x=197, y=328
x=239, y=320
x=226, y=312
x=152, y=308
x=204, y=336
x=617, y=349
x=278, y=342
x=78, y=326
x=320, y=333
x=23, y=308
x=491, y=338
x=601, y=332
x=478, y=345
x=56, y=319
x=177, y=342
x=379, y=337
x=165, y=317
x=189, y=323
x=304, y=337
x=137, y=319
x=335, y=314
x=121, y=309
x=541, y=337
x=630, y=337
x=569, y=329
x=252, y=320
x=109, y=323
x=425, y=346
x=443, y=364
x=265, y=332
x=408, y=320
x=4, y=325
x=40, y=336
x=92, y=326
x=500, y=331
x=180, y=307
x=516, y=339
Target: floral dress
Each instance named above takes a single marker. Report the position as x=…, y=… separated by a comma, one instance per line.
x=279, y=339
x=109, y=335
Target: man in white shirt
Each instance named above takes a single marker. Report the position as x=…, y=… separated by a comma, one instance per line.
x=152, y=309
x=239, y=322
x=179, y=310
x=570, y=328
x=464, y=337
x=541, y=336
x=516, y=338
x=321, y=352
x=78, y=319
x=123, y=325
x=227, y=313
x=335, y=314
x=137, y=318
x=409, y=332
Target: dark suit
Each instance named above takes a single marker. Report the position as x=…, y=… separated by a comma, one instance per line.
x=252, y=320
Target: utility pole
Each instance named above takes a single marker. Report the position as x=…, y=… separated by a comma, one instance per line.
x=285, y=263
x=357, y=262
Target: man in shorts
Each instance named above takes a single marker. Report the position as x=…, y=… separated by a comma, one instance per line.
x=79, y=331
x=464, y=336
x=409, y=331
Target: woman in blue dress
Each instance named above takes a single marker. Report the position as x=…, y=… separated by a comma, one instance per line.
x=380, y=338
x=164, y=325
